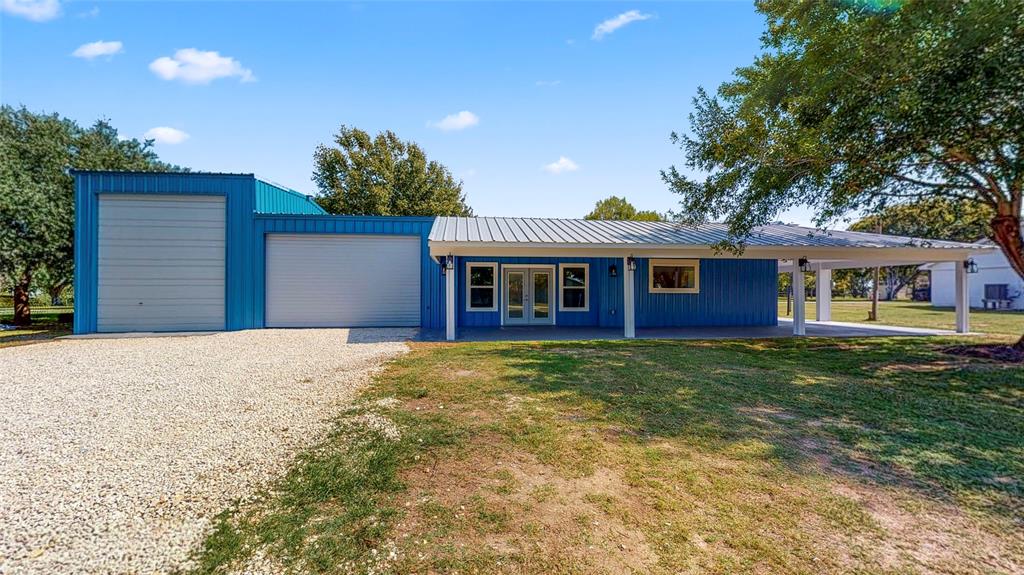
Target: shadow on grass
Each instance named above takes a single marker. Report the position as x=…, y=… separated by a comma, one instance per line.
x=884, y=411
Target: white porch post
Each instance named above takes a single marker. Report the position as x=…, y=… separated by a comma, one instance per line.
x=963, y=299
x=799, y=297
x=823, y=303
x=449, y=308
x=628, y=304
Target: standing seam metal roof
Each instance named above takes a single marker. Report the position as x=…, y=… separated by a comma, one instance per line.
x=616, y=232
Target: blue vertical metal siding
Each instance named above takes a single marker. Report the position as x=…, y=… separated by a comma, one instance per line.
x=274, y=199
x=238, y=192
x=431, y=282
x=732, y=293
x=605, y=292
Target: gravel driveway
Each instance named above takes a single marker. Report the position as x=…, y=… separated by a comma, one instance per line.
x=116, y=453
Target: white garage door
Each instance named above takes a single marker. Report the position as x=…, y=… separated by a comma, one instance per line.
x=161, y=263
x=342, y=281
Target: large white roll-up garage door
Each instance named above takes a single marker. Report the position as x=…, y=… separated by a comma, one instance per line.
x=316, y=280
x=161, y=263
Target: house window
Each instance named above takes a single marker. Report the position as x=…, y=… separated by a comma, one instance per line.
x=574, y=294
x=481, y=286
x=673, y=276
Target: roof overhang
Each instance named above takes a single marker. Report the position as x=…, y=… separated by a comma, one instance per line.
x=824, y=257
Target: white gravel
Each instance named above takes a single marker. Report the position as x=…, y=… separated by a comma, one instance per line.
x=116, y=453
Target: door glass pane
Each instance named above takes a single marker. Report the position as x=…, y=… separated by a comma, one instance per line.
x=515, y=295
x=541, y=294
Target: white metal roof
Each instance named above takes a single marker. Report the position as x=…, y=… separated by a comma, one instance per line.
x=567, y=232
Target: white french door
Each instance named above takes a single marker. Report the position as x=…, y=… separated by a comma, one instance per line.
x=529, y=296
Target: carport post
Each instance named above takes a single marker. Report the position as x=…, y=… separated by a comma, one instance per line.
x=799, y=298
x=628, y=304
x=449, y=301
x=963, y=299
x=823, y=301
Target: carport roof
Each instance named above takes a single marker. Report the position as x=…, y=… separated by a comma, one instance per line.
x=546, y=231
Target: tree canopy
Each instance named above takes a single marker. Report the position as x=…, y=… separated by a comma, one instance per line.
x=384, y=176
x=616, y=208
x=933, y=218
x=854, y=106
x=37, y=204
x=857, y=105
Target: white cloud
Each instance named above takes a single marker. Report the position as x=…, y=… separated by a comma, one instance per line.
x=548, y=82
x=612, y=24
x=91, y=13
x=35, y=10
x=193, y=66
x=165, y=135
x=97, y=49
x=562, y=165
x=458, y=121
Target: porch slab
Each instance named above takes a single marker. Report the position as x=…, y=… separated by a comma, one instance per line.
x=784, y=329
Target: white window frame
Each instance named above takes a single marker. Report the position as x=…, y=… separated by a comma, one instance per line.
x=469, y=286
x=586, y=287
x=673, y=263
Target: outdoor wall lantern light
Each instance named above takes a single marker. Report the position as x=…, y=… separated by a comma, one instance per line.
x=448, y=263
x=631, y=264
x=971, y=266
x=805, y=265
x=613, y=271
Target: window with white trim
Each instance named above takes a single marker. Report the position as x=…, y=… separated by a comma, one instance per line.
x=673, y=276
x=574, y=291
x=481, y=286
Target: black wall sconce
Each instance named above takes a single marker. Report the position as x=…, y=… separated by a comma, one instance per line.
x=805, y=265
x=613, y=271
x=631, y=264
x=971, y=266
x=447, y=263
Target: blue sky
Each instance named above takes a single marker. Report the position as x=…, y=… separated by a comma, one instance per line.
x=499, y=93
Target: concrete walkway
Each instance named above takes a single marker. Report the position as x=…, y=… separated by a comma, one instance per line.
x=784, y=329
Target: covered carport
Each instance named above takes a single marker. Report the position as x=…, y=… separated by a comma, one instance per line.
x=890, y=251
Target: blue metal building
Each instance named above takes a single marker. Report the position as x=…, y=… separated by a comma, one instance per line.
x=205, y=251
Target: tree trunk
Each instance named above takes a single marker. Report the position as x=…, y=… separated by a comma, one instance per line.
x=873, y=314
x=54, y=292
x=22, y=310
x=1007, y=234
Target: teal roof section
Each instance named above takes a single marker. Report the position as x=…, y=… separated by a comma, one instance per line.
x=274, y=199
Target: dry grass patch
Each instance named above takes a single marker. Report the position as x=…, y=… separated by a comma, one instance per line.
x=712, y=457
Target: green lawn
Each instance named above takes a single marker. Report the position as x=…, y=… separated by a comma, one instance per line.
x=45, y=326
x=770, y=456
x=919, y=314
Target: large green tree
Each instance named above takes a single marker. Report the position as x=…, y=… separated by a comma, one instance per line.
x=933, y=218
x=858, y=105
x=616, y=208
x=384, y=176
x=37, y=207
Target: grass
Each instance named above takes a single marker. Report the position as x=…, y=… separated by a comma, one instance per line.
x=919, y=314
x=780, y=456
x=45, y=326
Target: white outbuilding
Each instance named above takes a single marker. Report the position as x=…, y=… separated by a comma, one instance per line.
x=996, y=285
